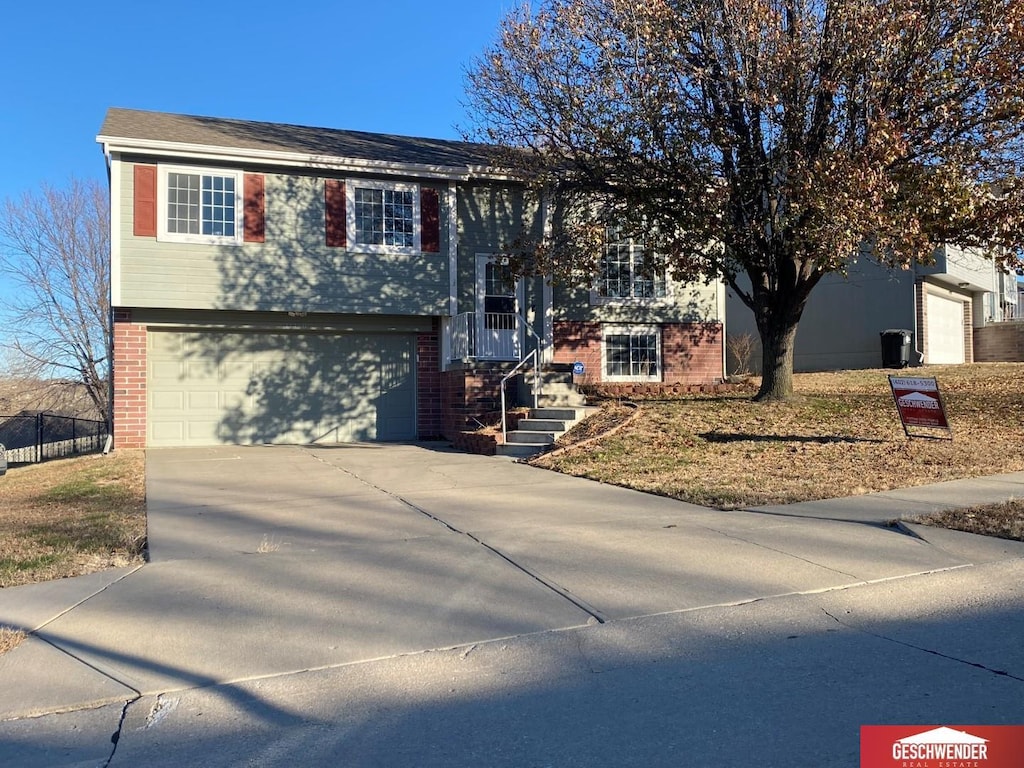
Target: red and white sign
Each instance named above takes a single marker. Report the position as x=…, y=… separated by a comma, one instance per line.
x=941, y=746
x=918, y=402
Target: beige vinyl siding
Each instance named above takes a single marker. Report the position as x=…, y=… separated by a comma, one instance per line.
x=293, y=270
x=693, y=302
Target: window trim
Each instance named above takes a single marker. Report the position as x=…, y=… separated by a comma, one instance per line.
x=631, y=330
x=350, y=216
x=165, y=236
x=599, y=299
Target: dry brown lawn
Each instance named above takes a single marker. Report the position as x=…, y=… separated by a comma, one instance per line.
x=71, y=516
x=1004, y=520
x=839, y=436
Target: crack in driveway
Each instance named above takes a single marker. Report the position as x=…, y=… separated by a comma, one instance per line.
x=565, y=594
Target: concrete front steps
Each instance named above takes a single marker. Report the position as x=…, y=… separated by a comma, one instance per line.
x=538, y=432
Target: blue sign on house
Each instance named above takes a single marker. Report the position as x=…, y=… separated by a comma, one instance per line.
x=578, y=368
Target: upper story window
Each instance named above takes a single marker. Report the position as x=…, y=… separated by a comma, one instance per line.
x=383, y=217
x=200, y=206
x=629, y=272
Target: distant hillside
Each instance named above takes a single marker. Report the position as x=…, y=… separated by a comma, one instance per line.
x=66, y=398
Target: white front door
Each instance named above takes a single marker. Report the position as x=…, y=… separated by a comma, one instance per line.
x=498, y=302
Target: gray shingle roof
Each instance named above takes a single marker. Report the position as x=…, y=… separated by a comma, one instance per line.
x=328, y=142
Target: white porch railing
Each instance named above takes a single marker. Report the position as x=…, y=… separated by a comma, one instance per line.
x=462, y=335
x=496, y=338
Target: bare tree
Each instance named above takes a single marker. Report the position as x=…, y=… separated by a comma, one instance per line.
x=55, y=249
x=771, y=139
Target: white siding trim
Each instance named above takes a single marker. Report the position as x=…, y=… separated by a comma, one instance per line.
x=116, y=169
x=548, y=324
x=453, y=249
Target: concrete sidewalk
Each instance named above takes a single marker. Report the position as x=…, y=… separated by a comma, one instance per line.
x=275, y=563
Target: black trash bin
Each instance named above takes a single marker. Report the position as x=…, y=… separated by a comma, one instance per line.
x=896, y=348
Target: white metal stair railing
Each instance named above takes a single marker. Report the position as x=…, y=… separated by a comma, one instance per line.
x=536, y=387
x=538, y=379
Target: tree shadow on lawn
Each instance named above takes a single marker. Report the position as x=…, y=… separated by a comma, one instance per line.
x=739, y=437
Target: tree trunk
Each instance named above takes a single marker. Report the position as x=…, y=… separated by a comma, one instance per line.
x=778, y=336
x=778, y=314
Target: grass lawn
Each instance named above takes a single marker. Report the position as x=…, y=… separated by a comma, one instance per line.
x=839, y=436
x=71, y=516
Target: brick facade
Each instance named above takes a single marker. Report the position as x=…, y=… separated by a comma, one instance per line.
x=467, y=396
x=999, y=343
x=579, y=342
x=691, y=352
x=429, y=417
x=129, y=409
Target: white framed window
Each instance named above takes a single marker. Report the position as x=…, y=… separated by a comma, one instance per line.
x=383, y=217
x=631, y=353
x=628, y=272
x=200, y=205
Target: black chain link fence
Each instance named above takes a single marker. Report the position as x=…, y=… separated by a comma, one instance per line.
x=32, y=438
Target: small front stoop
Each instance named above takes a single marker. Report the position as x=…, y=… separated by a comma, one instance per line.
x=538, y=433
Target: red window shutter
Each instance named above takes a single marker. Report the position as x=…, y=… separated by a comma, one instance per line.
x=145, y=201
x=430, y=221
x=254, y=208
x=334, y=203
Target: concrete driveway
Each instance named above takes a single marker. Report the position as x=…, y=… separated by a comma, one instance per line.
x=274, y=570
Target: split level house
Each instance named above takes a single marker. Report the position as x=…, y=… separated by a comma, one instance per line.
x=285, y=284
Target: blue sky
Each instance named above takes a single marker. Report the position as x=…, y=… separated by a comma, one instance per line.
x=394, y=67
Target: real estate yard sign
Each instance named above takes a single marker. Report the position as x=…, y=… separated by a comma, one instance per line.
x=919, y=403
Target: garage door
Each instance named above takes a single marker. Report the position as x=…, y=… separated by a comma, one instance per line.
x=206, y=388
x=945, y=329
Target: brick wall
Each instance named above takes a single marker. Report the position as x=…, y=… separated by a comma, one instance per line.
x=579, y=342
x=428, y=385
x=968, y=332
x=467, y=396
x=691, y=352
x=999, y=343
x=129, y=381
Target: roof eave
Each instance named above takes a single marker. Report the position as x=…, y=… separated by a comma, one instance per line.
x=175, y=149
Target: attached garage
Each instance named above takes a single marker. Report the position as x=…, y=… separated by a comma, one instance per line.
x=945, y=329
x=209, y=387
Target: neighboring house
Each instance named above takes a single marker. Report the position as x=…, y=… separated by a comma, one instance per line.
x=279, y=283
x=945, y=306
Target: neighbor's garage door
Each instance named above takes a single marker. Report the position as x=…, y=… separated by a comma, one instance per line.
x=945, y=329
x=210, y=387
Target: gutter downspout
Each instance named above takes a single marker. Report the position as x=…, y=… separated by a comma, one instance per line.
x=917, y=351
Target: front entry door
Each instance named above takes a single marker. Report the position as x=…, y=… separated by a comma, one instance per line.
x=498, y=302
